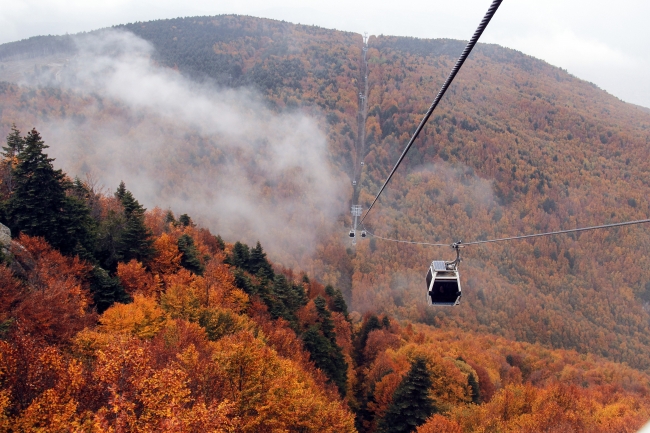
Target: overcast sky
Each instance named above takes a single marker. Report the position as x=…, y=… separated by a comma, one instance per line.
x=600, y=41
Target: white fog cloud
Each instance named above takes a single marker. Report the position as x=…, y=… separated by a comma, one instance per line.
x=219, y=155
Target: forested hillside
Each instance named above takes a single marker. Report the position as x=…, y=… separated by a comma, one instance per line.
x=117, y=318
x=517, y=146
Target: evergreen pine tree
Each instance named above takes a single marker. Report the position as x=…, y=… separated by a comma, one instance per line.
x=340, y=306
x=106, y=290
x=325, y=318
x=39, y=206
x=169, y=218
x=185, y=220
x=243, y=281
x=136, y=240
x=361, y=339
x=82, y=228
x=109, y=239
x=220, y=243
x=15, y=144
x=190, y=259
x=284, y=298
x=473, y=384
x=278, y=299
x=320, y=342
x=337, y=302
x=296, y=296
x=239, y=256
x=258, y=263
x=411, y=405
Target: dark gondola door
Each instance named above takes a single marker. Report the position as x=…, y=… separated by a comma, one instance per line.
x=443, y=285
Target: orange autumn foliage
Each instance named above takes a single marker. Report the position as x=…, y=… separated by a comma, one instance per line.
x=10, y=293
x=167, y=259
x=54, y=303
x=154, y=219
x=439, y=424
x=135, y=279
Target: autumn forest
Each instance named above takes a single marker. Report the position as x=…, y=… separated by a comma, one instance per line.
x=183, y=265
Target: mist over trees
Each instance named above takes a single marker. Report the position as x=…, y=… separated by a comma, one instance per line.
x=197, y=331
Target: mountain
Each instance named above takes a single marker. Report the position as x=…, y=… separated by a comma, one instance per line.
x=517, y=146
x=143, y=320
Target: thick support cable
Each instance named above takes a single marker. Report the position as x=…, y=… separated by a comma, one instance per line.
x=404, y=242
x=468, y=49
x=559, y=232
x=514, y=238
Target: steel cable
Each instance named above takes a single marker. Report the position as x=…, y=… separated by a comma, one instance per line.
x=468, y=49
x=558, y=232
x=404, y=242
x=512, y=238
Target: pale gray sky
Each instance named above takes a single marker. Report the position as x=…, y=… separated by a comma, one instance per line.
x=600, y=41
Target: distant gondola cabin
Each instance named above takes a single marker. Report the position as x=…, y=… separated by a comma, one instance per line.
x=443, y=285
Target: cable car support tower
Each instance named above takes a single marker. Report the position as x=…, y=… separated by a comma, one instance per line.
x=361, y=140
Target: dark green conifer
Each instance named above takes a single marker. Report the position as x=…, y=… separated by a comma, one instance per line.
x=220, y=243
x=15, y=144
x=326, y=323
x=475, y=389
x=109, y=239
x=136, y=240
x=39, y=206
x=337, y=302
x=243, y=281
x=169, y=218
x=320, y=342
x=258, y=263
x=411, y=405
x=239, y=256
x=185, y=220
x=106, y=290
x=369, y=325
x=190, y=258
x=280, y=299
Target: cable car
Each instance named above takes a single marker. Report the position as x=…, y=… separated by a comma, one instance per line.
x=363, y=234
x=443, y=284
x=354, y=183
x=351, y=233
x=361, y=162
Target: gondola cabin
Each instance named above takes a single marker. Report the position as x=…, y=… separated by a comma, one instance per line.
x=443, y=284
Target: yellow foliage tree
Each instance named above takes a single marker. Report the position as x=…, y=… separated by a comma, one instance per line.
x=142, y=318
x=274, y=394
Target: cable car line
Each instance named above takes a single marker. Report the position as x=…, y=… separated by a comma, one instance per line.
x=468, y=49
x=403, y=242
x=443, y=279
x=581, y=229
x=512, y=238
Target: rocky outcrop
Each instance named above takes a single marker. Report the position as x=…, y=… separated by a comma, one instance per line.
x=5, y=236
x=5, y=239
